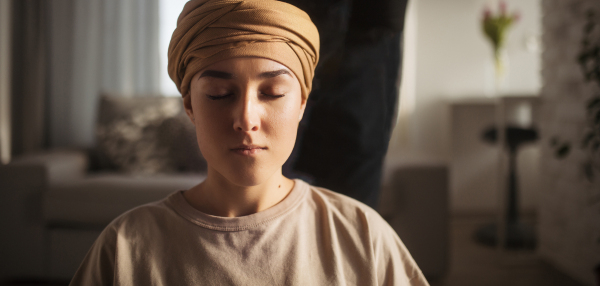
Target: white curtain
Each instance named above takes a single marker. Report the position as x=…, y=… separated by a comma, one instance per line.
x=5, y=85
x=98, y=47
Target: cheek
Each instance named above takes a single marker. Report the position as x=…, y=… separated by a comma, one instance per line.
x=284, y=122
x=209, y=129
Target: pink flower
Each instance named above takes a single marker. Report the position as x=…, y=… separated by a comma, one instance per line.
x=502, y=7
x=516, y=16
x=487, y=13
x=495, y=24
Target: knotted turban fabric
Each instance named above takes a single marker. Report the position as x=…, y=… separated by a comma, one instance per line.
x=211, y=31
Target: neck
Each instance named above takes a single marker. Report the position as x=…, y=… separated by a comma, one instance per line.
x=220, y=197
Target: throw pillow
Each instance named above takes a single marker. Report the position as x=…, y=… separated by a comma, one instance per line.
x=129, y=135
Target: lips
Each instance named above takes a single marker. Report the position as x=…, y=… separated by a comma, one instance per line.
x=248, y=149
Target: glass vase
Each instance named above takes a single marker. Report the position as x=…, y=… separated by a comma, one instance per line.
x=497, y=73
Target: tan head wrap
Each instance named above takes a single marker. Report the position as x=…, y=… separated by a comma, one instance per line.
x=209, y=31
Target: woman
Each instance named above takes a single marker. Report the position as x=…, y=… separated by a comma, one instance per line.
x=245, y=69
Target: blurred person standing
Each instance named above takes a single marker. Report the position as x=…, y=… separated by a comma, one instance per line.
x=345, y=134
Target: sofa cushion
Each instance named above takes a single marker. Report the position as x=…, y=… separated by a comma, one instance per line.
x=177, y=136
x=145, y=135
x=96, y=200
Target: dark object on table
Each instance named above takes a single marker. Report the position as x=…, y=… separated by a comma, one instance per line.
x=518, y=234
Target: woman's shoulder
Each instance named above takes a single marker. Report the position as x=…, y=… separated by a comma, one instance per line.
x=368, y=230
x=336, y=197
x=347, y=209
x=129, y=230
x=150, y=215
x=338, y=202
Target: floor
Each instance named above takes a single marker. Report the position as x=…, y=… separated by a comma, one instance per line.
x=475, y=264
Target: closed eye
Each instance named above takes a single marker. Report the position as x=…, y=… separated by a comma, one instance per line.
x=217, y=97
x=273, y=95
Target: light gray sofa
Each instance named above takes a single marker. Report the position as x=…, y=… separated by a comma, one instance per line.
x=55, y=204
x=53, y=209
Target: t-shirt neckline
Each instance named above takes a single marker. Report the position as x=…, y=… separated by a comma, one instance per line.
x=178, y=202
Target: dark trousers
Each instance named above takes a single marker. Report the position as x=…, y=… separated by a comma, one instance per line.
x=345, y=132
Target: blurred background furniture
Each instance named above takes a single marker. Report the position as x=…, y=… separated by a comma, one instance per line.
x=414, y=201
x=473, y=164
x=59, y=201
x=481, y=179
x=57, y=209
x=515, y=126
x=518, y=234
x=474, y=179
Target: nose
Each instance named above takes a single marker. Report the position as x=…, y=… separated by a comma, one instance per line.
x=246, y=114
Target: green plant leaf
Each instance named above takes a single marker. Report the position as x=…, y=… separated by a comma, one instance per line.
x=593, y=103
x=587, y=139
x=563, y=151
x=588, y=170
x=588, y=28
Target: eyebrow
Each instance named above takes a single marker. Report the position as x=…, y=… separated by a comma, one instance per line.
x=272, y=74
x=216, y=74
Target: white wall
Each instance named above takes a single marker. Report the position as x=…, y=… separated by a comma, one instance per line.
x=453, y=60
x=5, y=45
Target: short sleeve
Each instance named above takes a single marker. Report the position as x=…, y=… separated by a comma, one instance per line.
x=98, y=265
x=394, y=264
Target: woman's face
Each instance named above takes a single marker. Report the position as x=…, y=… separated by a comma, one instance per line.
x=246, y=112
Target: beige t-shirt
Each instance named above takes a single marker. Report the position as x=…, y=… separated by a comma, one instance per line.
x=312, y=237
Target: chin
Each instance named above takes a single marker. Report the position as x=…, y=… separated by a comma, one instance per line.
x=245, y=171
